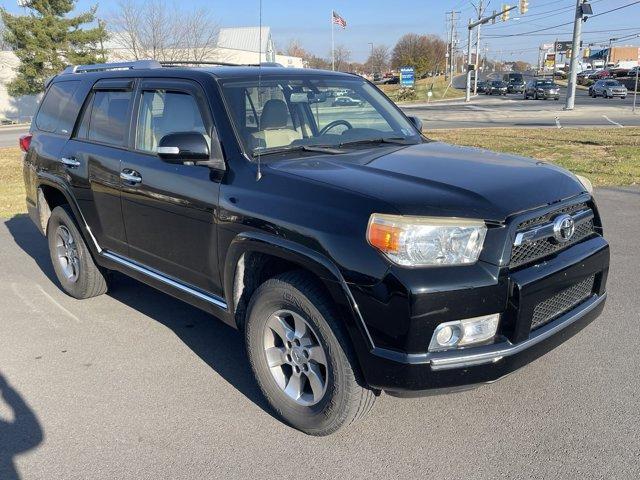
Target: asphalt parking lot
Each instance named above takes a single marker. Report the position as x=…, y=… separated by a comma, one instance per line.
x=135, y=384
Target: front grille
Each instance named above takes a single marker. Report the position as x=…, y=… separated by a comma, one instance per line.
x=559, y=304
x=532, y=251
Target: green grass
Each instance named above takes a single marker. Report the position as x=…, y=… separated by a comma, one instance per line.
x=11, y=183
x=438, y=86
x=608, y=156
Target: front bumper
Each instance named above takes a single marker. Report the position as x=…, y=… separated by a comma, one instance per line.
x=411, y=374
x=546, y=95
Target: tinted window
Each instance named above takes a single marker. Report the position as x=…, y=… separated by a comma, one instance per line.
x=163, y=112
x=109, y=117
x=59, y=108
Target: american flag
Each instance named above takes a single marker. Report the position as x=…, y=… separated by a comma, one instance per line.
x=338, y=20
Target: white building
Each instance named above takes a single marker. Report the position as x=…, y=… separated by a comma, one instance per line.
x=244, y=45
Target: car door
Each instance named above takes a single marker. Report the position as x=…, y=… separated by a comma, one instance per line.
x=93, y=155
x=170, y=209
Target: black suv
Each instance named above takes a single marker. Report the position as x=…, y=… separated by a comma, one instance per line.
x=353, y=254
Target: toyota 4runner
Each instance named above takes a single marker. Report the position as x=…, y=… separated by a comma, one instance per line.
x=354, y=255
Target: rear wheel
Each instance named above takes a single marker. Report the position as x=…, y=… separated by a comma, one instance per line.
x=75, y=269
x=302, y=358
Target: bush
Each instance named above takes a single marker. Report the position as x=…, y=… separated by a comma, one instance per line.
x=406, y=94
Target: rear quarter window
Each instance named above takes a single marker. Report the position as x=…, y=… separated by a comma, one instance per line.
x=59, y=109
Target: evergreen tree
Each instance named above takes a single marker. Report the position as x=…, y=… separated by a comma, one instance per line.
x=47, y=39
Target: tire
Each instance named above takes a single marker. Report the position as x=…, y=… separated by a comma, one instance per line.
x=535, y=96
x=294, y=298
x=80, y=278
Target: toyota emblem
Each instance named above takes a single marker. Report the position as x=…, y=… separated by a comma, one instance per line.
x=563, y=228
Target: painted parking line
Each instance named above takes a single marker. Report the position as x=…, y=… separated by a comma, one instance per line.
x=611, y=121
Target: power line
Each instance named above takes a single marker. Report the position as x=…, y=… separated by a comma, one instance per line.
x=561, y=24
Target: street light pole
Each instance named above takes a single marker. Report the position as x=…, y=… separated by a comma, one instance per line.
x=467, y=97
x=371, y=58
x=575, y=51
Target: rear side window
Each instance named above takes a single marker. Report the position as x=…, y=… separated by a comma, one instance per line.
x=106, y=118
x=59, y=108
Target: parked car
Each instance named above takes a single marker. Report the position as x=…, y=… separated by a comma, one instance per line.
x=542, y=89
x=353, y=255
x=608, y=89
x=599, y=74
x=346, y=101
x=497, y=87
x=633, y=72
x=516, y=86
x=482, y=86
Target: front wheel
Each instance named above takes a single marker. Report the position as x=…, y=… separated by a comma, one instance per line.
x=302, y=358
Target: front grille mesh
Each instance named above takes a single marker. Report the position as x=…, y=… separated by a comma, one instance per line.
x=555, y=306
x=529, y=252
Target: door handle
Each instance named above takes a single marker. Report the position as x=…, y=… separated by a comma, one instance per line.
x=130, y=176
x=70, y=162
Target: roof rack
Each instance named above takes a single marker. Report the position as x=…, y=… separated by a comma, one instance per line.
x=177, y=63
x=101, y=67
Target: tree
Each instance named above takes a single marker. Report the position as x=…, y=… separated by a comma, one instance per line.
x=378, y=60
x=47, y=40
x=425, y=53
x=143, y=29
x=295, y=49
x=341, y=56
x=520, y=66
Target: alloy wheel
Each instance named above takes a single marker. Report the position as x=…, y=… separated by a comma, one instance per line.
x=67, y=253
x=296, y=359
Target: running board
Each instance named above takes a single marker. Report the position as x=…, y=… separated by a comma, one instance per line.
x=193, y=291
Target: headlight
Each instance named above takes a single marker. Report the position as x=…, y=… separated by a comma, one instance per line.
x=586, y=183
x=427, y=241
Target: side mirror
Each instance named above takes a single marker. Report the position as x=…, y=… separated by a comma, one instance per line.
x=416, y=123
x=183, y=147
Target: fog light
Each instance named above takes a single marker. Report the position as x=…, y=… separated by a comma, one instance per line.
x=462, y=333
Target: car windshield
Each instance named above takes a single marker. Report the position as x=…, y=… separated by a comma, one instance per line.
x=612, y=83
x=545, y=83
x=303, y=112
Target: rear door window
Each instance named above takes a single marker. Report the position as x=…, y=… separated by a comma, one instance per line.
x=59, y=108
x=108, y=120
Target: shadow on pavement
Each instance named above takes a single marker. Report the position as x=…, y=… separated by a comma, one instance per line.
x=19, y=435
x=217, y=344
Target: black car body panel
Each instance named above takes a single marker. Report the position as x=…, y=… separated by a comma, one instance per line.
x=192, y=230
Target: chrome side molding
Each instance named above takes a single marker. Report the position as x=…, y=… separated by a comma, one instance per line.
x=193, y=291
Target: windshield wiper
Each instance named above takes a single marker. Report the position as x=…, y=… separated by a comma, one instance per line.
x=298, y=148
x=394, y=140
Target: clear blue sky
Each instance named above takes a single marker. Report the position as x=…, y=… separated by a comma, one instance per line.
x=384, y=21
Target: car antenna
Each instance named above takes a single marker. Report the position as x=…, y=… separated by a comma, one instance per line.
x=259, y=172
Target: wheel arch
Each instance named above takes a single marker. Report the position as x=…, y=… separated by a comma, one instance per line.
x=52, y=193
x=255, y=257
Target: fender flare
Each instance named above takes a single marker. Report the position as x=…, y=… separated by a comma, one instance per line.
x=311, y=260
x=54, y=182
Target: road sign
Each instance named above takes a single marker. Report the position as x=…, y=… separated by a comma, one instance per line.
x=562, y=47
x=407, y=76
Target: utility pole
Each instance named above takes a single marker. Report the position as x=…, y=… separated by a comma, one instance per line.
x=582, y=8
x=450, y=51
x=371, y=58
x=475, y=78
x=611, y=40
x=470, y=28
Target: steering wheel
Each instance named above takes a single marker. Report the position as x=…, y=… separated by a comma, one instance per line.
x=333, y=124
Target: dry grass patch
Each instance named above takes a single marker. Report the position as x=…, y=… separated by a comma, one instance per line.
x=11, y=183
x=607, y=156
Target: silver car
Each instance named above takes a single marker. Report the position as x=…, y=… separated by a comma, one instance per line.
x=608, y=89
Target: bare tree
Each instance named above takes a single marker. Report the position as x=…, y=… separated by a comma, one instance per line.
x=295, y=49
x=341, y=55
x=151, y=29
x=378, y=60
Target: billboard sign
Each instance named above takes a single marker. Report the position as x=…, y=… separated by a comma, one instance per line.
x=407, y=76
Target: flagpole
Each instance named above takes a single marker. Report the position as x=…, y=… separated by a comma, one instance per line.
x=333, y=55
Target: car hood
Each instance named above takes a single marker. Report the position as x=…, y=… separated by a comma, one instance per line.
x=439, y=179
